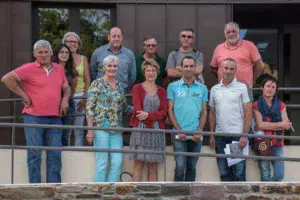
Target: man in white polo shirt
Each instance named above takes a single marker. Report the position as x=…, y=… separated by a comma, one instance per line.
x=230, y=111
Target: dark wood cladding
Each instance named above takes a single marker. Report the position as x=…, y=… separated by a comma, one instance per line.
x=171, y=1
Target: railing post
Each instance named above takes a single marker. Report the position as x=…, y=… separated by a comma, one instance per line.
x=13, y=144
x=165, y=158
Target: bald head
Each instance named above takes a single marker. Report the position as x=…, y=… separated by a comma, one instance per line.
x=115, y=29
x=115, y=38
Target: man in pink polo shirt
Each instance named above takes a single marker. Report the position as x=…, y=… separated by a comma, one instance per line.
x=245, y=53
x=43, y=84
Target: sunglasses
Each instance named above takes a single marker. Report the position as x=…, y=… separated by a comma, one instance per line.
x=151, y=45
x=187, y=36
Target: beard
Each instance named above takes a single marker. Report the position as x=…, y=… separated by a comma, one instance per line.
x=233, y=41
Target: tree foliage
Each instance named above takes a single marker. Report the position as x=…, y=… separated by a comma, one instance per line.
x=94, y=26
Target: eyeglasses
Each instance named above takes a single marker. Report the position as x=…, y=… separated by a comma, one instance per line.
x=186, y=36
x=72, y=41
x=64, y=52
x=151, y=45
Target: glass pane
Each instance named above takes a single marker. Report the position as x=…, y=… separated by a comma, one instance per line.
x=53, y=24
x=267, y=44
x=94, y=26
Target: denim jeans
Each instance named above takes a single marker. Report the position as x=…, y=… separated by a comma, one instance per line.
x=40, y=137
x=236, y=172
x=278, y=166
x=78, y=121
x=185, y=169
x=106, y=140
x=67, y=120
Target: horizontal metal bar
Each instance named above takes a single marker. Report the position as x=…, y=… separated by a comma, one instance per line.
x=129, y=95
x=122, y=129
x=6, y=117
x=91, y=149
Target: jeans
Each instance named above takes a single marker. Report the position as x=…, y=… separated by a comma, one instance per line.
x=185, y=169
x=278, y=166
x=40, y=137
x=78, y=121
x=106, y=140
x=67, y=120
x=236, y=172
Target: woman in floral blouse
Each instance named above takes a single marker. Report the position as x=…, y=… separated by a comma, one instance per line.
x=105, y=105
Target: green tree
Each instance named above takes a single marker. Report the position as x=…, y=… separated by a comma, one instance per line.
x=53, y=24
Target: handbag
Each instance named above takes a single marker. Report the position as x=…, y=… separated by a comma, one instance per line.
x=263, y=147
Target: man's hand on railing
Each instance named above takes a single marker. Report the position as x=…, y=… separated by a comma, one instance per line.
x=181, y=137
x=90, y=137
x=196, y=137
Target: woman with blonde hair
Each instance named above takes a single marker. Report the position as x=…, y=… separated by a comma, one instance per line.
x=73, y=41
x=150, y=108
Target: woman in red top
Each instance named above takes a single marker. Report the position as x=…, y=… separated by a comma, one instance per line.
x=150, y=107
x=271, y=117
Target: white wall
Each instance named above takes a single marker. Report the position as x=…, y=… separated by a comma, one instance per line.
x=79, y=167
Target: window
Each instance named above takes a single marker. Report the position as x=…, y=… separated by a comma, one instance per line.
x=91, y=23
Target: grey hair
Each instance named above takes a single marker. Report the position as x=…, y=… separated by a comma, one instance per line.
x=188, y=29
x=148, y=37
x=234, y=24
x=109, y=59
x=72, y=34
x=42, y=43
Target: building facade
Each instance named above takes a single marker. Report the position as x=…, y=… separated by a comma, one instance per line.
x=272, y=25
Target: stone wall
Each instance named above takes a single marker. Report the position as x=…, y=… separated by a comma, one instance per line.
x=153, y=191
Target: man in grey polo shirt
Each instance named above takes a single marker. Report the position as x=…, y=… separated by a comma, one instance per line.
x=230, y=112
x=127, y=67
x=174, y=70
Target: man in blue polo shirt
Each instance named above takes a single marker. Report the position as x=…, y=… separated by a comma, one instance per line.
x=187, y=111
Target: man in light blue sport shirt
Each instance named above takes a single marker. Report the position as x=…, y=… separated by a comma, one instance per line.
x=187, y=111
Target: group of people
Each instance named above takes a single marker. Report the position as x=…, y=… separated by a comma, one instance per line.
x=47, y=84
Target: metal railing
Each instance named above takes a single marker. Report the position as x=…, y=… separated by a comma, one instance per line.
x=164, y=131
x=165, y=153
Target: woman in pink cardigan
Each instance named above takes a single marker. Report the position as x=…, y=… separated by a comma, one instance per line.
x=150, y=108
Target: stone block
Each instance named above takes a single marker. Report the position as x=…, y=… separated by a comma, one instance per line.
x=124, y=188
x=27, y=192
x=231, y=197
x=255, y=188
x=69, y=188
x=209, y=192
x=130, y=198
x=148, y=195
x=252, y=197
x=88, y=196
x=148, y=187
x=235, y=188
x=175, y=189
x=111, y=198
x=58, y=196
x=277, y=189
x=100, y=188
x=297, y=189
